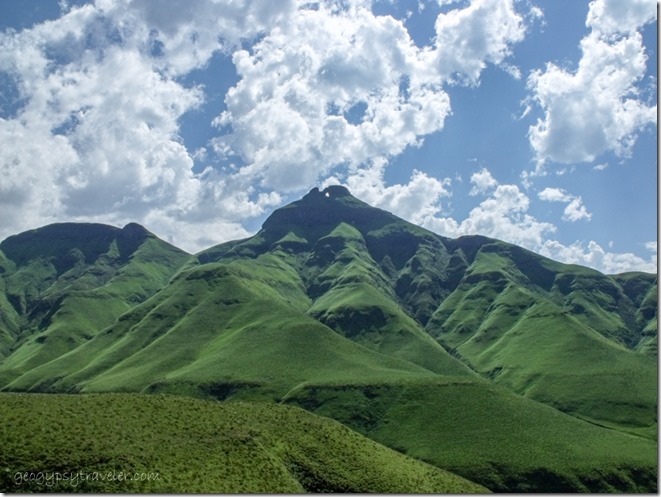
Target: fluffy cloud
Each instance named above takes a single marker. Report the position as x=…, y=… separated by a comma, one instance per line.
x=595, y=109
x=27, y=174
x=98, y=123
x=482, y=182
x=92, y=131
x=574, y=211
x=93, y=103
x=593, y=255
x=554, y=195
x=610, y=17
x=333, y=86
x=346, y=87
x=502, y=215
x=415, y=201
x=466, y=39
x=183, y=34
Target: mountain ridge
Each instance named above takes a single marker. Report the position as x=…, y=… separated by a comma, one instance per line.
x=360, y=250
x=90, y=272
x=337, y=306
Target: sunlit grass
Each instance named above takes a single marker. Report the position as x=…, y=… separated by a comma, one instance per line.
x=193, y=446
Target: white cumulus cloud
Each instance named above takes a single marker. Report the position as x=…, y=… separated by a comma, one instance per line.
x=554, y=195
x=91, y=119
x=611, y=17
x=414, y=201
x=469, y=38
x=595, y=108
x=482, y=182
x=594, y=255
x=574, y=211
x=333, y=86
x=92, y=132
x=93, y=103
x=504, y=215
x=338, y=85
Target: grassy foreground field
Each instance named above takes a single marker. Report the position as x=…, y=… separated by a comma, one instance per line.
x=129, y=443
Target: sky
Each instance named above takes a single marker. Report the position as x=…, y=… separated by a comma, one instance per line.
x=530, y=121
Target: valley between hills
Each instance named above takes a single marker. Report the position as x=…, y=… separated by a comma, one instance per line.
x=339, y=349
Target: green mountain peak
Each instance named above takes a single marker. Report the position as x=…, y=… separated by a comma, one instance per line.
x=319, y=212
x=350, y=312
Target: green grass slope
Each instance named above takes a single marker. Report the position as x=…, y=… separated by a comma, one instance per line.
x=340, y=252
x=642, y=288
x=213, y=327
x=66, y=282
x=565, y=335
x=352, y=295
x=488, y=435
x=190, y=446
x=281, y=308
x=549, y=332
x=10, y=326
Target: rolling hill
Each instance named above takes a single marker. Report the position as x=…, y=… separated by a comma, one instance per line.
x=114, y=443
x=513, y=370
x=505, y=442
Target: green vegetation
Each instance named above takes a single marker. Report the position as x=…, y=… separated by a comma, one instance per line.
x=243, y=334
x=178, y=445
x=66, y=282
x=548, y=334
x=460, y=352
x=484, y=433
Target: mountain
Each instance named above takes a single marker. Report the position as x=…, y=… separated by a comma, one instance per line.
x=61, y=284
x=513, y=370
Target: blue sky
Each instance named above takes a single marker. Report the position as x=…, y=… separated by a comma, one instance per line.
x=531, y=121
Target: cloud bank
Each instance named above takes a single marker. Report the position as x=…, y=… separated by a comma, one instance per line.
x=92, y=130
x=323, y=92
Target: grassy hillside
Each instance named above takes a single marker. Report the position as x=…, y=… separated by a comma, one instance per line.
x=445, y=349
x=64, y=283
x=214, y=325
x=642, y=288
x=10, y=326
x=502, y=441
x=547, y=332
x=278, y=310
x=181, y=445
x=354, y=296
